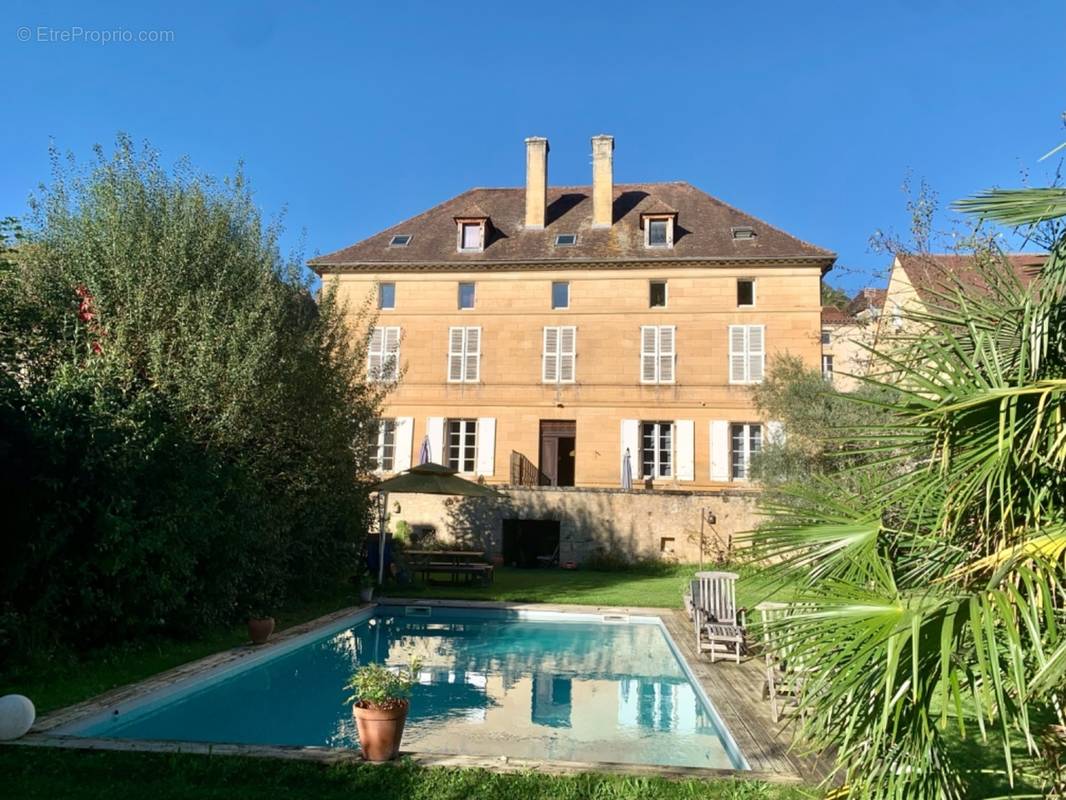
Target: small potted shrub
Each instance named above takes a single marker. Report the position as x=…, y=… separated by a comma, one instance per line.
x=366, y=588
x=379, y=703
x=260, y=626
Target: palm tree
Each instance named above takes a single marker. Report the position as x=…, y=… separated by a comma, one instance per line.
x=933, y=600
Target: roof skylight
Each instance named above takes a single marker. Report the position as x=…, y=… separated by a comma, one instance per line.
x=400, y=240
x=565, y=239
x=743, y=232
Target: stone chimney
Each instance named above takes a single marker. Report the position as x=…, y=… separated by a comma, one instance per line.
x=602, y=181
x=536, y=181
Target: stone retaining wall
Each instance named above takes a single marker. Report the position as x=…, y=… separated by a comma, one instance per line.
x=631, y=524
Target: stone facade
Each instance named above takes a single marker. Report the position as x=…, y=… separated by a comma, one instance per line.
x=592, y=522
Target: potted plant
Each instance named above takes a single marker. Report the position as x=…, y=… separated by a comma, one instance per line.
x=379, y=703
x=366, y=588
x=260, y=626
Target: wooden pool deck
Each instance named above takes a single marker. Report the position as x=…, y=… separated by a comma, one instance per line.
x=734, y=689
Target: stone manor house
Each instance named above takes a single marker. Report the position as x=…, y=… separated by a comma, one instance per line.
x=550, y=337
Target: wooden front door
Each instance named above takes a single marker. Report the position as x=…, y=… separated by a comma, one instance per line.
x=558, y=443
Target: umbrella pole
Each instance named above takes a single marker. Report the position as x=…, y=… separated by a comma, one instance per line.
x=382, y=533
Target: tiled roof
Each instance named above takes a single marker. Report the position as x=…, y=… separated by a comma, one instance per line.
x=831, y=315
x=867, y=298
x=935, y=274
x=702, y=232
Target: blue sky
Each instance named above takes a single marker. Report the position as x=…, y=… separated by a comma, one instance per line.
x=351, y=117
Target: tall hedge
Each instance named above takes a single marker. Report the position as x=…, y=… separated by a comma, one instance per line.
x=183, y=425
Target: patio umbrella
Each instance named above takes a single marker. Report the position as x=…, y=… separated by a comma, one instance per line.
x=424, y=479
x=627, y=471
x=424, y=454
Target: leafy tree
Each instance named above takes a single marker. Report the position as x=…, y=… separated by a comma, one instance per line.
x=185, y=426
x=834, y=296
x=932, y=566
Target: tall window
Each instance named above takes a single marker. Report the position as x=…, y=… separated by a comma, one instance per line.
x=462, y=444
x=559, y=347
x=657, y=353
x=386, y=295
x=466, y=295
x=827, y=368
x=560, y=294
x=657, y=448
x=383, y=358
x=657, y=294
x=746, y=441
x=745, y=292
x=384, y=448
x=747, y=353
x=464, y=355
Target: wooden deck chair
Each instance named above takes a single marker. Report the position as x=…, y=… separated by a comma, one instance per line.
x=785, y=672
x=688, y=599
x=718, y=625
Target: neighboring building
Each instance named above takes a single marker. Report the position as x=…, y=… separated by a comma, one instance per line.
x=540, y=334
x=846, y=335
x=917, y=283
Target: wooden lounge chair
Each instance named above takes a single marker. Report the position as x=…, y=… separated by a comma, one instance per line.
x=718, y=625
x=785, y=672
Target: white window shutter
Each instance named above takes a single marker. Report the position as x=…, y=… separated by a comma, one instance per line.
x=567, y=353
x=667, y=335
x=684, y=431
x=401, y=458
x=390, y=362
x=737, y=354
x=756, y=353
x=550, y=364
x=720, y=450
x=649, y=336
x=455, y=355
x=631, y=442
x=374, y=354
x=435, y=432
x=775, y=432
x=486, y=446
x=472, y=373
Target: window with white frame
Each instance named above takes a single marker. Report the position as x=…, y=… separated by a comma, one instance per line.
x=471, y=235
x=386, y=295
x=461, y=444
x=657, y=353
x=747, y=353
x=560, y=344
x=745, y=441
x=464, y=355
x=383, y=357
x=467, y=295
x=658, y=231
x=745, y=292
x=383, y=449
x=656, y=449
x=827, y=368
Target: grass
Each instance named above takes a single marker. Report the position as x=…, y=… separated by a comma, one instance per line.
x=31, y=773
x=651, y=586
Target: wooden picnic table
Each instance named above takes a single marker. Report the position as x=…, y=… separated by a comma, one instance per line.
x=468, y=564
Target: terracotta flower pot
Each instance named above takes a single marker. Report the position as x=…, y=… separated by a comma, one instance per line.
x=380, y=729
x=259, y=630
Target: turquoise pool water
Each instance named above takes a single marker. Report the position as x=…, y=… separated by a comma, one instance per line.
x=554, y=686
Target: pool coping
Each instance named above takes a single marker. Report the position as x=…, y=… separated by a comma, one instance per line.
x=771, y=765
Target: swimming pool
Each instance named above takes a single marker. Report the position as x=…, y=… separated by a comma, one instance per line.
x=522, y=684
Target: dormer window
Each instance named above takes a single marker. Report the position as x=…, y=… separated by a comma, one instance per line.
x=471, y=233
x=658, y=230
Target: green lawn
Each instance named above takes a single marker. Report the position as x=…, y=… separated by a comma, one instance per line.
x=654, y=587
x=32, y=773
x=62, y=679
